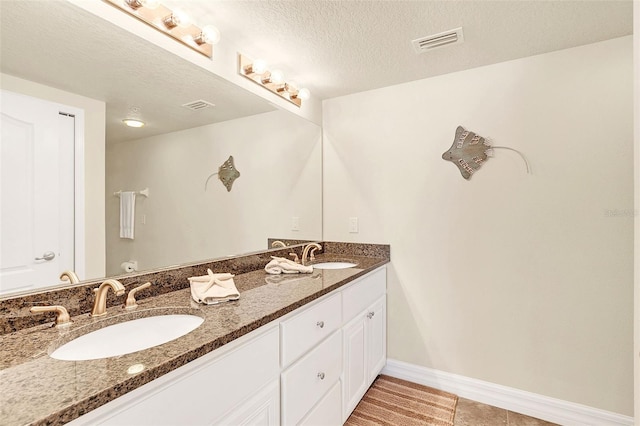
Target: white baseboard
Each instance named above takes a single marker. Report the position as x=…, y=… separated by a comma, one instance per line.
x=528, y=403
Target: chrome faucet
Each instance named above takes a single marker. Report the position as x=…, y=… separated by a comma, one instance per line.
x=70, y=276
x=100, y=304
x=310, y=249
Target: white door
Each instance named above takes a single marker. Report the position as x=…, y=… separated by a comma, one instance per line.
x=37, y=192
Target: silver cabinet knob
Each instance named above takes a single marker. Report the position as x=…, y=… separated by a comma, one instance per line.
x=49, y=255
x=320, y=324
x=321, y=376
x=370, y=315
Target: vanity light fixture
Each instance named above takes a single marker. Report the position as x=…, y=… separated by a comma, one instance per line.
x=133, y=122
x=174, y=23
x=258, y=72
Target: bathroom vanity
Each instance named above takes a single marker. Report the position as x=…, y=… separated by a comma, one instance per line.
x=298, y=349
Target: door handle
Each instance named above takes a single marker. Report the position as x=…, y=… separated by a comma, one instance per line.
x=49, y=255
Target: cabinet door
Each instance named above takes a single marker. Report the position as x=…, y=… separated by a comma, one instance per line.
x=376, y=338
x=355, y=364
x=263, y=409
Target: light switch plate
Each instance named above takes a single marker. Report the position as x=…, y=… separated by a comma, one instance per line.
x=295, y=223
x=353, y=225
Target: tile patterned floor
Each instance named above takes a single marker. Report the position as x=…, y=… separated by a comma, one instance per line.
x=472, y=413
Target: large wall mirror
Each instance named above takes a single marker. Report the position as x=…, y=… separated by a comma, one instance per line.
x=58, y=52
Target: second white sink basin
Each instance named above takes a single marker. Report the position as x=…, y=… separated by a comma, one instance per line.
x=127, y=337
x=334, y=265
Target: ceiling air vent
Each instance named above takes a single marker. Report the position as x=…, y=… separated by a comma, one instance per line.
x=434, y=41
x=198, y=105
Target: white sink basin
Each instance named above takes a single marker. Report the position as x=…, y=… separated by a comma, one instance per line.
x=127, y=337
x=334, y=265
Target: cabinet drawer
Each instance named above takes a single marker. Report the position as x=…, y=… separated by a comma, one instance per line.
x=363, y=293
x=327, y=412
x=306, y=381
x=301, y=332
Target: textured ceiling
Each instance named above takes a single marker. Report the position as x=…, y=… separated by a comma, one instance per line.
x=59, y=45
x=341, y=47
x=332, y=47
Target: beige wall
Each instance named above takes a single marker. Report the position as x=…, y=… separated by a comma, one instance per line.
x=520, y=280
x=94, y=157
x=279, y=159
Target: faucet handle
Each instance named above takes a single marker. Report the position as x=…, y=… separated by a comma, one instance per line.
x=62, y=316
x=131, y=297
x=312, y=251
x=70, y=276
x=295, y=257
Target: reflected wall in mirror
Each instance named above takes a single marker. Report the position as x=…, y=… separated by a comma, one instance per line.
x=277, y=155
x=56, y=51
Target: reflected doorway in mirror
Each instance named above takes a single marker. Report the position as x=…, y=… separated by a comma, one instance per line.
x=38, y=185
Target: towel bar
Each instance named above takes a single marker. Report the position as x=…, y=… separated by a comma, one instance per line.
x=144, y=193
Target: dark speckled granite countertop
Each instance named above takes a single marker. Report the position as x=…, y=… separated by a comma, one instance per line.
x=37, y=389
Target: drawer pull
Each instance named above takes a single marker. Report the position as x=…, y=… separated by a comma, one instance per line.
x=320, y=324
x=321, y=376
x=370, y=315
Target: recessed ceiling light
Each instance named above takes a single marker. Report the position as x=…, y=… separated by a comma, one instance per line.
x=132, y=122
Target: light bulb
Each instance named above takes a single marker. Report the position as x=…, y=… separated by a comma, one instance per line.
x=304, y=93
x=182, y=18
x=259, y=66
x=209, y=34
x=277, y=77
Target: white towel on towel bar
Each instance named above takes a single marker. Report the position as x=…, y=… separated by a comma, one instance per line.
x=127, y=213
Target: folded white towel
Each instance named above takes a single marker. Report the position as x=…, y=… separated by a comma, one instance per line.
x=281, y=265
x=213, y=288
x=127, y=214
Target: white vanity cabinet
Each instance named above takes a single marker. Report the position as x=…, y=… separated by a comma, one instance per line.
x=310, y=367
x=238, y=384
x=364, y=337
x=358, y=349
